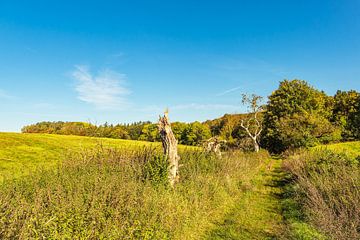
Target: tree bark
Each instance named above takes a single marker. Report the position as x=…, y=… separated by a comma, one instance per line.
x=169, y=144
x=256, y=145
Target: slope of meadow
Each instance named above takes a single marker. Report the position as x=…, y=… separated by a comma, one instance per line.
x=351, y=149
x=100, y=191
x=69, y=186
x=22, y=153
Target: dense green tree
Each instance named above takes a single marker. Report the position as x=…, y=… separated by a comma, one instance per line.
x=228, y=128
x=178, y=129
x=150, y=133
x=195, y=133
x=297, y=115
x=354, y=121
x=134, y=129
x=119, y=132
x=345, y=107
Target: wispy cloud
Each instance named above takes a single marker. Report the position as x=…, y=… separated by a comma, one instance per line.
x=5, y=95
x=105, y=90
x=228, y=91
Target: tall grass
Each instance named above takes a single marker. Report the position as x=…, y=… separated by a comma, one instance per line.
x=327, y=186
x=123, y=194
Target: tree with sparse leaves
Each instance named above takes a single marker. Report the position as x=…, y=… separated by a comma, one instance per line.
x=252, y=123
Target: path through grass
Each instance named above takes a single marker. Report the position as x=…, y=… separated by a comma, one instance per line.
x=257, y=215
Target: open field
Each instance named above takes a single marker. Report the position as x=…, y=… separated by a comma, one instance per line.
x=96, y=187
x=112, y=193
x=349, y=148
x=21, y=153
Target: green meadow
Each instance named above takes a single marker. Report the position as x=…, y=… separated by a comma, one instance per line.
x=59, y=187
x=23, y=153
x=348, y=148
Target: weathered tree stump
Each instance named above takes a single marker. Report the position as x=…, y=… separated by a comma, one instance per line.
x=213, y=145
x=169, y=144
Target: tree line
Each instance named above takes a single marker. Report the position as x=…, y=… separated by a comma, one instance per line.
x=296, y=115
x=187, y=133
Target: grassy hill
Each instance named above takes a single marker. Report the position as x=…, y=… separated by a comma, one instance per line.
x=21, y=153
x=121, y=192
x=352, y=149
x=116, y=189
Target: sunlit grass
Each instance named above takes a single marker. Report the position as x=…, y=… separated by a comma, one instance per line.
x=351, y=149
x=23, y=153
x=106, y=193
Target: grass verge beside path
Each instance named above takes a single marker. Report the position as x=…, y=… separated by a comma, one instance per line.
x=258, y=213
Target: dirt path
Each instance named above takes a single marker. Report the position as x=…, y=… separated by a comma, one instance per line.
x=257, y=214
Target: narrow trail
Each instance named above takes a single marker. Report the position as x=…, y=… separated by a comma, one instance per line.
x=257, y=214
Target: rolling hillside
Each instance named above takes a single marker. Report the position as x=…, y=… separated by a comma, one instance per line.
x=21, y=153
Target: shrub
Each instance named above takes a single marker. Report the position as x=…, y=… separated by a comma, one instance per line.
x=326, y=185
x=156, y=171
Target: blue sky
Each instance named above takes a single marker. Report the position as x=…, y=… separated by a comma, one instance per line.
x=124, y=61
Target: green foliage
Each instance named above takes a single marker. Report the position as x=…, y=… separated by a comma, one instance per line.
x=156, y=171
x=354, y=120
x=150, y=133
x=306, y=130
x=178, y=128
x=297, y=115
x=344, y=111
x=195, y=133
x=228, y=128
x=187, y=133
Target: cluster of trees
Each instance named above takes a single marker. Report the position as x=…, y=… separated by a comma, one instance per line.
x=296, y=115
x=187, y=133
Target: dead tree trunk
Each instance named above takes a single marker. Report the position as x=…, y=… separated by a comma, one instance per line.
x=213, y=145
x=169, y=144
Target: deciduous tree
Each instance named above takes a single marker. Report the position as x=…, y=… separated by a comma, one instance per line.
x=252, y=123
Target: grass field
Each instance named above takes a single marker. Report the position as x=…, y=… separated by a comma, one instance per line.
x=351, y=149
x=22, y=153
x=119, y=193
x=237, y=197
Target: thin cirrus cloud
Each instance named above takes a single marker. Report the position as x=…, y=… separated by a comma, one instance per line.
x=228, y=91
x=105, y=90
x=5, y=95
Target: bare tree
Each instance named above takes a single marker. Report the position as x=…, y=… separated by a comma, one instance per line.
x=169, y=144
x=252, y=123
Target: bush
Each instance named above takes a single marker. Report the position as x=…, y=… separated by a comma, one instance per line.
x=156, y=171
x=326, y=185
